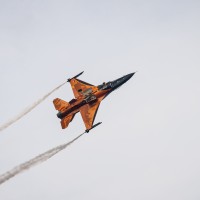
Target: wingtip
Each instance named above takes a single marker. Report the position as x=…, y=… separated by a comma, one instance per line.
x=68, y=80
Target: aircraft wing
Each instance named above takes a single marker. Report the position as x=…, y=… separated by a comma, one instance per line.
x=79, y=87
x=88, y=113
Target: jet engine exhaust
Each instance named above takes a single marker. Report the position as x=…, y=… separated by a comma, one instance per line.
x=38, y=159
x=29, y=109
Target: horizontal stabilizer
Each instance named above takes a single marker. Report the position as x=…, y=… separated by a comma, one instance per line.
x=60, y=104
x=65, y=121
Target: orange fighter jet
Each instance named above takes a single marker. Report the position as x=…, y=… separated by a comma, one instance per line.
x=87, y=100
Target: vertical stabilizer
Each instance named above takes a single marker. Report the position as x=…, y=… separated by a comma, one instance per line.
x=60, y=104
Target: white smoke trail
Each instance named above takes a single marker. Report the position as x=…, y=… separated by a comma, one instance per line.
x=38, y=159
x=29, y=109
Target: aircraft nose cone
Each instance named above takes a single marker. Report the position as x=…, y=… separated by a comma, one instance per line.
x=128, y=76
x=120, y=81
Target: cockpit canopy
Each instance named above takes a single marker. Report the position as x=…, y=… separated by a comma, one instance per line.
x=105, y=86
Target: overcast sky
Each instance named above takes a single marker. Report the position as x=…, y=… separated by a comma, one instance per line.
x=148, y=144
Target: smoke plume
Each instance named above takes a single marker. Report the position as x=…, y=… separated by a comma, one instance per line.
x=38, y=159
x=29, y=109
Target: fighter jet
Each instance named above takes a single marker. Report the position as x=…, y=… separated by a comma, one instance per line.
x=87, y=100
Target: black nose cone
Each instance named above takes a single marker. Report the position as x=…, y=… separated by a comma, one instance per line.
x=117, y=83
x=125, y=78
x=128, y=76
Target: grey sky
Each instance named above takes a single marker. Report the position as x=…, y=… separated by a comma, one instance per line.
x=148, y=144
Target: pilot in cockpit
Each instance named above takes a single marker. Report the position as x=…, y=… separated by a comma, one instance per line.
x=105, y=86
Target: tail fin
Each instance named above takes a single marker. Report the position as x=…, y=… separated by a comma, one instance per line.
x=66, y=120
x=60, y=104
